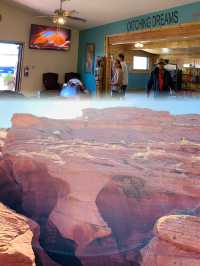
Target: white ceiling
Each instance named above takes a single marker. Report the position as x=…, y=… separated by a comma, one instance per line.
x=99, y=12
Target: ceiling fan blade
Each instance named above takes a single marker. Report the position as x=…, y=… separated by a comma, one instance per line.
x=76, y=18
x=47, y=16
x=69, y=13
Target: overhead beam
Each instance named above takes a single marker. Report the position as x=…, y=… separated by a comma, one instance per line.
x=162, y=34
x=185, y=44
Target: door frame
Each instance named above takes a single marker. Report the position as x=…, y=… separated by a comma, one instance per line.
x=167, y=32
x=20, y=62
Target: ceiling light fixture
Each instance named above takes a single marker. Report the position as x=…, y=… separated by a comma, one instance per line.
x=59, y=20
x=165, y=50
x=60, y=15
x=139, y=45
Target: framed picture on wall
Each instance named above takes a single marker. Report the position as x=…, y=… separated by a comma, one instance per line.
x=89, y=58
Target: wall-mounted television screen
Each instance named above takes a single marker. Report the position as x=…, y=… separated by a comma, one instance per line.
x=49, y=38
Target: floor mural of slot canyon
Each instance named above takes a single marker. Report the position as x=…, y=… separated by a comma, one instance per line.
x=114, y=187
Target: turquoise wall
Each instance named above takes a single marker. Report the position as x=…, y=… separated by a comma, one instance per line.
x=137, y=81
x=187, y=13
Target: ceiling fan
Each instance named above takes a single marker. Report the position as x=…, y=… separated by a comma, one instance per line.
x=60, y=15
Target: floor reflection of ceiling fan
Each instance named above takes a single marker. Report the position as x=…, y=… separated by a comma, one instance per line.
x=60, y=16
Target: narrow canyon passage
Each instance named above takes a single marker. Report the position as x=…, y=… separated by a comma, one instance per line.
x=98, y=190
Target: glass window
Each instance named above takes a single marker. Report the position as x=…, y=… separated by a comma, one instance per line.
x=187, y=65
x=9, y=63
x=140, y=63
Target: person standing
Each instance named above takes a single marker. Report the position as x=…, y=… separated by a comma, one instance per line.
x=117, y=79
x=99, y=76
x=160, y=81
x=125, y=73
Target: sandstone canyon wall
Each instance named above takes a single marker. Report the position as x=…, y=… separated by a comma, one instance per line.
x=98, y=184
x=18, y=236
x=176, y=242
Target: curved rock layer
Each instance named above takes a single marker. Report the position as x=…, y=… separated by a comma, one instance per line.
x=8, y=185
x=176, y=242
x=19, y=241
x=100, y=182
x=16, y=236
x=3, y=135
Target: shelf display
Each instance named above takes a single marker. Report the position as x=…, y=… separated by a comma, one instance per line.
x=191, y=78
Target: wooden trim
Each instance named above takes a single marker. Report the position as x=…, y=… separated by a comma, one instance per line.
x=164, y=33
x=152, y=35
x=106, y=46
x=155, y=29
x=108, y=66
x=186, y=43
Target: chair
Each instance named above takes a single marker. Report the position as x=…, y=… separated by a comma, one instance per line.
x=50, y=81
x=71, y=75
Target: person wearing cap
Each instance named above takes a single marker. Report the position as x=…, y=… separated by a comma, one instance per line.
x=160, y=81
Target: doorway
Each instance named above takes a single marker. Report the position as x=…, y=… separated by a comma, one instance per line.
x=10, y=65
x=178, y=45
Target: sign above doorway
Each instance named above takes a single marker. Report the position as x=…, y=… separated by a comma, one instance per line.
x=154, y=21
